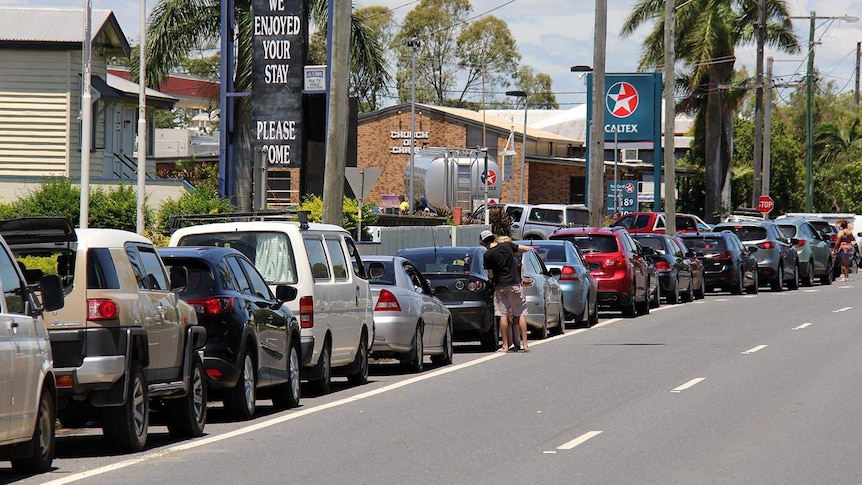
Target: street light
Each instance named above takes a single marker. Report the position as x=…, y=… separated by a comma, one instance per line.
x=413, y=44
x=809, y=98
x=522, y=94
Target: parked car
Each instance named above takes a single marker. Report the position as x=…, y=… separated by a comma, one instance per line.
x=517, y=215
x=457, y=275
x=618, y=265
x=123, y=343
x=544, y=297
x=322, y=263
x=726, y=261
x=654, y=222
x=565, y=261
x=27, y=386
x=815, y=256
x=697, y=272
x=777, y=260
x=674, y=271
x=410, y=322
x=252, y=336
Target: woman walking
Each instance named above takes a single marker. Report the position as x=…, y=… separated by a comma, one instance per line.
x=844, y=249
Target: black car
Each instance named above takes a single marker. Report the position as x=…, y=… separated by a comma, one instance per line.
x=253, y=341
x=777, y=260
x=727, y=263
x=674, y=271
x=457, y=275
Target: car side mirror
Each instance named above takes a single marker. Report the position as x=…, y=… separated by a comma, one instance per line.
x=555, y=272
x=752, y=249
x=285, y=292
x=52, y=292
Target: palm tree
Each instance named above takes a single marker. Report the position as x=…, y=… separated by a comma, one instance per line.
x=706, y=35
x=176, y=26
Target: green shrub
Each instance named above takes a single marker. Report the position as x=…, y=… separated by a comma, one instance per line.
x=349, y=213
x=204, y=200
x=55, y=197
x=117, y=208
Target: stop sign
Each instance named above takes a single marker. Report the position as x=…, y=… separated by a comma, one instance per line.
x=764, y=204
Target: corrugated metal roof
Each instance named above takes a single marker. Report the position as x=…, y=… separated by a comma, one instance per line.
x=60, y=25
x=503, y=124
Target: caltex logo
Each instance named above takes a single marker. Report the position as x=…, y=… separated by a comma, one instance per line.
x=622, y=99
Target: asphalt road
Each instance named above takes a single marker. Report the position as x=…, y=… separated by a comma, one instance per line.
x=755, y=389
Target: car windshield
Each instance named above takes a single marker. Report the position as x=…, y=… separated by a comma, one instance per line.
x=746, y=233
x=651, y=242
x=788, y=230
x=551, y=254
x=594, y=243
x=269, y=251
x=380, y=272
x=706, y=244
x=442, y=260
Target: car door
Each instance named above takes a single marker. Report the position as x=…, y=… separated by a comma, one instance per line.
x=360, y=282
x=429, y=308
x=640, y=268
x=349, y=292
x=819, y=248
x=683, y=269
x=6, y=372
x=553, y=293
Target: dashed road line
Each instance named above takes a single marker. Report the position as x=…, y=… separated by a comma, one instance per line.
x=804, y=325
x=688, y=384
x=754, y=349
x=579, y=440
x=810, y=291
x=842, y=309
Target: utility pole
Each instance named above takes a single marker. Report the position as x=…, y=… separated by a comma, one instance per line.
x=767, y=128
x=809, y=119
x=758, y=105
x=142, y=119
x=86, y=114
x=669, y=120
x=336, y=129
x=858, y=58
x=596, y=188
x=413, y=44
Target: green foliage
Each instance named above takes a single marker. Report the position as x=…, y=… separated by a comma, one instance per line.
x=501, y=224
x=349, y=217
x=198, y=174
x=203, y=200
x=117, y=208
x=55, y=197
x=538, y=88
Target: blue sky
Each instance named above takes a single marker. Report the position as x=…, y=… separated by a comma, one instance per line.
x=553, y=35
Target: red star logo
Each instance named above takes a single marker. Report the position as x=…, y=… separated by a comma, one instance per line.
x=622, y=99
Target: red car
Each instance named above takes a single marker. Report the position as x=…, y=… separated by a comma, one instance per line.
x=616, y=262
x=654, y=222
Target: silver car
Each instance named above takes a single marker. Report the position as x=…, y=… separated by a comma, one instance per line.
x=544, y=297
x=565, y=261
x=409, y=321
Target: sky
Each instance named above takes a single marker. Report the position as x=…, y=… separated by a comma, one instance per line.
x=553, y=35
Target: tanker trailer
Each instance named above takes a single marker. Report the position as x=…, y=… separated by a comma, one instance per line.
x=447, y=177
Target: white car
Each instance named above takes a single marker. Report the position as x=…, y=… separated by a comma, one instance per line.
x=27, y=387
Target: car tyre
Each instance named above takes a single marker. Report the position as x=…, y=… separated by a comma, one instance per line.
x=643, y=307
x=561, y=319
x=126, y=426
x=755, y=285
x=323, y=385
x=827, y=278
x=241, y=401
x=673, y=296
x=655, y=298
x=739, y=286
x=594, y=316
x=360, y=377
x=629, y=309
x=793, y=284
x=43, y=443
x=445, y=358
x=187, y=415
x=287, y=395
x=416, y=357
x=809, y=276
x=700, y=293
x=542, y=332
x=777, y=284
x=490, y=339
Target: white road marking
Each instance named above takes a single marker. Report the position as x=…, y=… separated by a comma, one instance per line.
x=606, y=322
x=721, y=299
x=579, y=440
x=810, y=291
x=754, y=349
x=846, y=286
x=551, y=452
x=842, y=309
x=750, y=296
x=688, y=384
x=802, y=326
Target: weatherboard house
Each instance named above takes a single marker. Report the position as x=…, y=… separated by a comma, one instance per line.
x=40, y=103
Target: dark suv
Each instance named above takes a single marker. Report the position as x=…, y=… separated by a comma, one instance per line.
x=777, y=260
x=617, y=263
x=727, y=263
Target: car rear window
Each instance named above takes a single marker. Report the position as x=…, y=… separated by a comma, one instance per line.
x=746, y=233
x=270, y=252
x=578, y=217
x=594, y=243
x=651, y=242
x=788, y=230
x=439, y=261
x=637, y=221
x=380, y=272
x=705, y=244
x=191, y=276
x=551, y=254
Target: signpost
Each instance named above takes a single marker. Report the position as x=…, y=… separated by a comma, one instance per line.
x=765, y=204
x=622, y=197
x=361, y=180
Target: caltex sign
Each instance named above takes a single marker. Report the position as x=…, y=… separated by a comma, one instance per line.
x=632, y=106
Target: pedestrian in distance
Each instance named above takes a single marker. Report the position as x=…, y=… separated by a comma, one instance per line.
x=502, y=267
x=404, y=206
x=844, y=249
x=514, y=334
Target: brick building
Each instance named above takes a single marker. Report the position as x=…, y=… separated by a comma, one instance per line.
x=552, y=173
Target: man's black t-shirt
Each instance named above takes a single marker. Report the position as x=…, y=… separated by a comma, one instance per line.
x=501, y=260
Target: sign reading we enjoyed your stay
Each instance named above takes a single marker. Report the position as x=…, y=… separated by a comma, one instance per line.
x=279, y=38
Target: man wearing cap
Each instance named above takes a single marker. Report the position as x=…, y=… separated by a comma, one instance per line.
x=502, y=268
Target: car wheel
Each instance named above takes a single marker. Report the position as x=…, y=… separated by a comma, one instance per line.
x=490, y=339
x=241, y=401
x=700, y=293
x=739, y=286
x=755, y=285
x=126, y=426
x=188, y=414
x=629, y=309
x=541, y=333
x=643, y=307
x=673, y=296
x=446, y=357
x=793, y=284
x=655, y=297
x=41, y=446
x=287, y=395
x=561, y=319
x=594, y=315
x=323, y=385
x=809, y=276
x=827, y=278
x=777, y=284
x=361, y=362
x=416, y=357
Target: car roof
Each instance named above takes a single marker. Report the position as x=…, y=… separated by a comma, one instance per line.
x=199, y=252
x=744, y=223
x=255, y=226
x=544, y=242
x=586, y=230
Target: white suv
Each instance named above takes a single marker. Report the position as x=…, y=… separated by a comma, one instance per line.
x=333, y=301
x=28, y=396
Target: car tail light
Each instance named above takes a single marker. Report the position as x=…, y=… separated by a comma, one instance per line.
x=800, y=243
x=723, y=255
x=387, y=302
x=101, y=309
x=476, y=285
x=834, y=237
x=766, y=245
x=568, y=274
x=306, y=312
x=619, y=261
x=213, y=305
x=215, y=374
x=65, y=381
x=662, y=265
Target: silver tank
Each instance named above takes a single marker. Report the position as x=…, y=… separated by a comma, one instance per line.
x=446, y=177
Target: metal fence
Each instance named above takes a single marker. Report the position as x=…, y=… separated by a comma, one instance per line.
x=395, y=238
